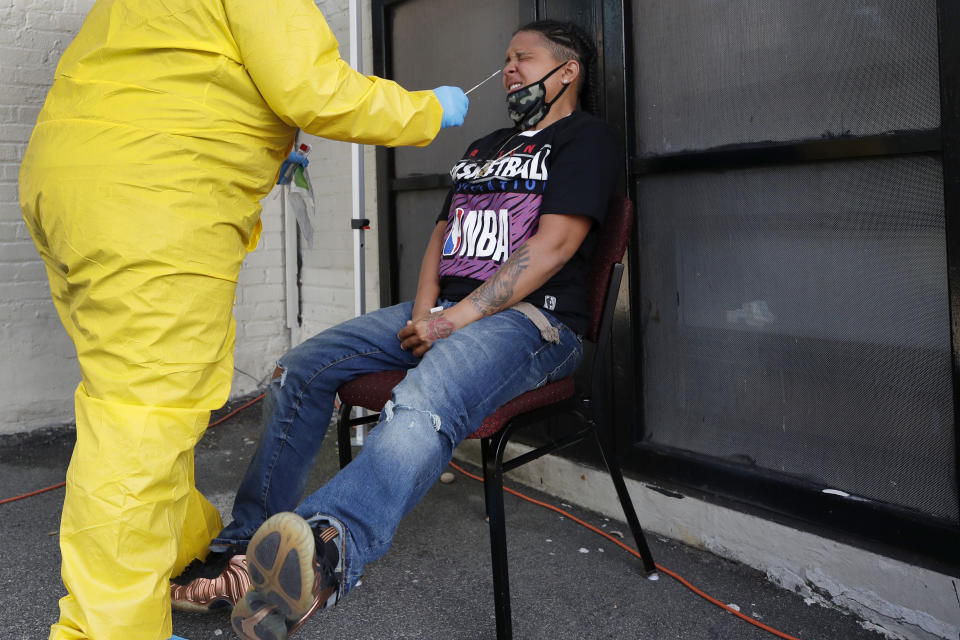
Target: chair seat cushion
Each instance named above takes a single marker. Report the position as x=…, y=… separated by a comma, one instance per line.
x=373, y=390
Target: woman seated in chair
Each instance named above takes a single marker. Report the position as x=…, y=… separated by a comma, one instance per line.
x=516, y=227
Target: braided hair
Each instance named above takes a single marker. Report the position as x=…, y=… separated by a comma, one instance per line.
x=568, y=41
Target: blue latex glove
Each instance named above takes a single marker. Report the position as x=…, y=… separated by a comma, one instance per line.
x=455, y=103
x=286, y=169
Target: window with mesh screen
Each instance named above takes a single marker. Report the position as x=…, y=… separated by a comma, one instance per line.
x=711, y=73
x=796, y=320
x=795, y=317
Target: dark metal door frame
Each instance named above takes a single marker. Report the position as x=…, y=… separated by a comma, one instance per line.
x=948, y=15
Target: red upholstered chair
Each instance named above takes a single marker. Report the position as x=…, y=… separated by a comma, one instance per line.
x=561, y=397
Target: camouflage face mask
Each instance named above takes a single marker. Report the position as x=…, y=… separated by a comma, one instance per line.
x=528, y=105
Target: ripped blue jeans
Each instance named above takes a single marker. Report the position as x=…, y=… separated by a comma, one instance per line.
x=443, y=399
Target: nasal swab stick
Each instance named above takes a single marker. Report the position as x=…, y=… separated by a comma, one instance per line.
x=484, y=81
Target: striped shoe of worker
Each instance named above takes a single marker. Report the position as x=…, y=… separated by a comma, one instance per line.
x=217, y=583
x=295, y=570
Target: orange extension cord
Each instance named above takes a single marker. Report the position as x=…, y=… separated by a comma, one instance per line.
x=63, y=484
x=675, y=576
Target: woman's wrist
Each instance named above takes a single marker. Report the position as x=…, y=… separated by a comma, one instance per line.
x=461, y=314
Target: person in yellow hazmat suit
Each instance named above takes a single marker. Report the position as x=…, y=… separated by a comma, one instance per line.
x=166, y=124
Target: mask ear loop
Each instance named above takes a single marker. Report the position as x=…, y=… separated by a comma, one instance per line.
x=556, y=97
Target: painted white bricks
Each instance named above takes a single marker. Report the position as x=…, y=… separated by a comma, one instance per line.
x=39, y=371
x=328, y=279
x=262, y=334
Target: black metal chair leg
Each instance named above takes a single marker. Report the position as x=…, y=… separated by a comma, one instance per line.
x=493, y=494
x=484, y=453
x=616, y=474
x=343, y=435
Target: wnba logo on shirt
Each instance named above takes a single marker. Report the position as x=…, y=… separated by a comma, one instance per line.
x=455, y=237
x=483, y=235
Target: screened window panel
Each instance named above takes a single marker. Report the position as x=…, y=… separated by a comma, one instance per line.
x=714, y=73
x=469, y=47
x=795, y=319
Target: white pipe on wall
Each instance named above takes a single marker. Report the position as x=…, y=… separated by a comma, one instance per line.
x=356, y=152
x=359, y=204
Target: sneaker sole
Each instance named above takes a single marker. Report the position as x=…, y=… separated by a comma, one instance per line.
x=255, y=619
x=280, y=561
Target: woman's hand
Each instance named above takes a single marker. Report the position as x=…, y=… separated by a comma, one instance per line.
x=420, y=334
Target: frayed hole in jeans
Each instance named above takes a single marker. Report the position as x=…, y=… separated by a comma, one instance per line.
x=389, y=407
x=281, y=373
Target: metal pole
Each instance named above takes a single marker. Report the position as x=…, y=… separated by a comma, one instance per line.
x=359, y=205
x=356, y=151
x=290, y=232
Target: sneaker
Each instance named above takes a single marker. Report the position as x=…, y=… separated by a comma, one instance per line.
x=294, y=572
x=215, y=583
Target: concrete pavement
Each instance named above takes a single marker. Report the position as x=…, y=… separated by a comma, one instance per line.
x=435, y=582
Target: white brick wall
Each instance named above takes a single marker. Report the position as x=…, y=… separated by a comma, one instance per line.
x=328, y=294
x=262, y=333
x=39, y=370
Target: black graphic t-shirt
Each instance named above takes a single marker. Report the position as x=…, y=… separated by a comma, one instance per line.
x=503, y=184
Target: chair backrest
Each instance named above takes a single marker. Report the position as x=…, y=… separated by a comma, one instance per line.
x=609, y=250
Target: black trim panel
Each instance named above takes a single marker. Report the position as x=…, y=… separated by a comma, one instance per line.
x=794, y=152
x=419, y=183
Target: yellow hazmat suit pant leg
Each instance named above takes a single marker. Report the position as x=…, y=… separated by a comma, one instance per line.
x=123, y=517
x=155, y=341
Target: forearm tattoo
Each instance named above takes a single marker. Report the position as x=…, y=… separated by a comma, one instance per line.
x=494, y=294
x=438, y=328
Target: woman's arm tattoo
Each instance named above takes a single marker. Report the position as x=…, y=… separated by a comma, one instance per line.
x=438, y=328
x=495, y=293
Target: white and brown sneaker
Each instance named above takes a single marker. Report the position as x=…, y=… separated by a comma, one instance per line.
x=293, y=571
x=216, y=583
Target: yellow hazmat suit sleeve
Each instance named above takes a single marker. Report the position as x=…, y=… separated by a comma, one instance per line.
x=292, y=56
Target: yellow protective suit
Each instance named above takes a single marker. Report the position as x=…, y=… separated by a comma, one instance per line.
x=165, y=126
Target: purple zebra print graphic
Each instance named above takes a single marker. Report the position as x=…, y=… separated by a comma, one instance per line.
x=484, y=229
